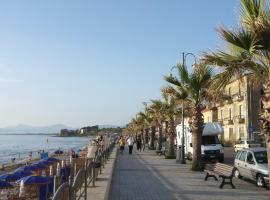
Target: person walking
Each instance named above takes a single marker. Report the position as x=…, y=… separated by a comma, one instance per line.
x=139, y=143
x=122, y=144
x=130, y=142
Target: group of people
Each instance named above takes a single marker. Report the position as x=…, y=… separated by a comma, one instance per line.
x=130, y=142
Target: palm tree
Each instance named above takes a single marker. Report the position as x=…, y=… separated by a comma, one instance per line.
x=248, y=51
x=193, y=88
x=171, y=111
x=157, y=111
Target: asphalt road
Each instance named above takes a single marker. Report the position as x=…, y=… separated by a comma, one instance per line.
x=229, y=155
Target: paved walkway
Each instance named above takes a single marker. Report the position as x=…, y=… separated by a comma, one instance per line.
x=103, y=182
x=145, y=176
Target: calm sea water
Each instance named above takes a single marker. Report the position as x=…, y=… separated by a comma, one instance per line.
x=15, y=146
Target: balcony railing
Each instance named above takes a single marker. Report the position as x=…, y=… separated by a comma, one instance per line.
x=238, y=96
x=221, y=122
x=228, y=121
x=240, y=119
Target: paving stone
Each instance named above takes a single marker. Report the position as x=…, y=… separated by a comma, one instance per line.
x=146, y=176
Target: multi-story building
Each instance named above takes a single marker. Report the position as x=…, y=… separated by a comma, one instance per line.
x=238, y=111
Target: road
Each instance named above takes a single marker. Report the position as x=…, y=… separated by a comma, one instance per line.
x=229, y=155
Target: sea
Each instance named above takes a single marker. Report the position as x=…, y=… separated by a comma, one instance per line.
x=19, y=146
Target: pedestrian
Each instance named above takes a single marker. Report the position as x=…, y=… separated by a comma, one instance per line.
x=122, y=144
x=139, y=143
x=130, y=142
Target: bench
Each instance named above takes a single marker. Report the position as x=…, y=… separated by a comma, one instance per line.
x=219, y=170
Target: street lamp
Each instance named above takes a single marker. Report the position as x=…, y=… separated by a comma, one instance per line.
x=184, y=57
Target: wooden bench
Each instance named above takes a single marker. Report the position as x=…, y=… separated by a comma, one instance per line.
x=219, y=170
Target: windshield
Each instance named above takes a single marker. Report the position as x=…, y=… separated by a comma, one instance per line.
x=251, y=142
x=210, y=139
x=261, y=157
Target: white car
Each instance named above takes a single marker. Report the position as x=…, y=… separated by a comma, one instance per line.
x=252, y=164
x=245, y=144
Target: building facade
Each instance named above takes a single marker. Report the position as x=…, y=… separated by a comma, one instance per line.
x=238, y=111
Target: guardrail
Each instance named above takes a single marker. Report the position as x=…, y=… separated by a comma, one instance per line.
x=76, y=188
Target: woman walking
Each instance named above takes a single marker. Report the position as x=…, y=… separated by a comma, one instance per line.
x=130, y=142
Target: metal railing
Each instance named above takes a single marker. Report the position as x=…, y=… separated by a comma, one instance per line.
x=77, y=189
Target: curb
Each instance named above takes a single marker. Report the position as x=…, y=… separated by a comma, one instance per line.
x=108, y=189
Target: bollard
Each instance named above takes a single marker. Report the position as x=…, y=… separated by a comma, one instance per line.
x=93, y=174
x=70, y=189
x=85, y=182
x=54, y=184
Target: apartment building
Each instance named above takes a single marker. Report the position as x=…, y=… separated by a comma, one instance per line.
x=238, y=111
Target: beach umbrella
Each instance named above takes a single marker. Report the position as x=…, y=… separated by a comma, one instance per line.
x=45, y=162
x=39, y=165
x=50, y=159
x=28, y=168
x=22, y=173
x=29, y=180
x=9, y=177
x=4, y=184
x=22, y=190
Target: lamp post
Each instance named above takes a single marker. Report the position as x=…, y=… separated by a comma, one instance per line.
x=183, y=159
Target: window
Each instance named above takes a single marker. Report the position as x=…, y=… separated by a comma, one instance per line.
x=240, y=110
x=229, y=91
x=221, y=114
x=250, y=158
x=241, y=132
x=230, y=113
x=209, y=140
x=239, y=86
x=243, y=156
x=261, y=157
x=238, y=154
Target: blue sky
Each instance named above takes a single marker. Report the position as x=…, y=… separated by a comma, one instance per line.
x=95, y=62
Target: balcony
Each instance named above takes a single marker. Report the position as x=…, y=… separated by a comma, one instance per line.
x=229, y=100
x=238, y=97
x=240, y=119
x=219, y=104
x=221, y=122
x=228, y=121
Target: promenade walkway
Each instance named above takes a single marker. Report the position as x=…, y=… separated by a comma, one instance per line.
x=146, y=176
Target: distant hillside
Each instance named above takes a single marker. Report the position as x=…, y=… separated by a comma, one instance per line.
x=22, y=128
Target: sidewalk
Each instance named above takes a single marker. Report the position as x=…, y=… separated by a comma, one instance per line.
x=103, y=182
x=147, y=176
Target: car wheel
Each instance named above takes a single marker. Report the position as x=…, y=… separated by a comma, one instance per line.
x=237, y=174
x=260, y=181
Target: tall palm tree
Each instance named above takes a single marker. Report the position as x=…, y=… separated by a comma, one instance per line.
x=193, y=88
x=157, y=111
x=248, y=51
x=171, y=111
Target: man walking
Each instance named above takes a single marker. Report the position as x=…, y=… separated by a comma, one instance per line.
x=130, y=142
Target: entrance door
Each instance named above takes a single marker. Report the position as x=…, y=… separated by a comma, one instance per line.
x=231, y=138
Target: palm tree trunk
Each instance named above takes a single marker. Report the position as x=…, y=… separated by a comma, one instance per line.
x=265, y=119
x=197, y=128
x=268, y=155
x=159, y=142
x=171, y=152
x=152, y=138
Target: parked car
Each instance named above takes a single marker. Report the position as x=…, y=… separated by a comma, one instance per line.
x=246, y=144
x=252, y=164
